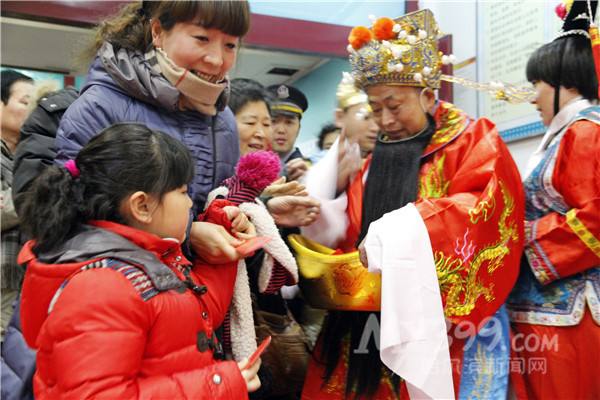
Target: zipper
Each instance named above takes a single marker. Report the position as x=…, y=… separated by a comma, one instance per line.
x=214, y=152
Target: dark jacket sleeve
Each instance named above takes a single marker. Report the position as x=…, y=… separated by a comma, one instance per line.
x=18, y=362
x=36, y=147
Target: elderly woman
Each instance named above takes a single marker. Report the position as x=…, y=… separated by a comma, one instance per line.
x=249, y=103
x=286, y=201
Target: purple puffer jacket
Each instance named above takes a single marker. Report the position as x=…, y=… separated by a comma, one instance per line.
x=123, y=87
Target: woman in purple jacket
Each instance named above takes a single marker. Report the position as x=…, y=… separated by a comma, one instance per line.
x=164, y=64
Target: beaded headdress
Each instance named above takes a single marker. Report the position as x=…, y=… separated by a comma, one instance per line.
x=401, y=52
x=404, y=52
x=579, y=19
x=577, y=16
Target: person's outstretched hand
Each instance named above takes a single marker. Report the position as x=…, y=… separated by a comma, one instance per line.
x=362, y=254
x=213, y=243
x=296, y=168
x=293, y=211
x=349, y=162
x=282, y=188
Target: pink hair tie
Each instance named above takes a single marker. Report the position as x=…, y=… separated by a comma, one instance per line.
x=72, y=168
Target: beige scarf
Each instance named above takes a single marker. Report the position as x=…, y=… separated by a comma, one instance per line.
x=197, y=93
x=243, y=335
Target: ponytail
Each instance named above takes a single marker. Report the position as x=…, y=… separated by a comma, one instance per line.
x=121, y=160
x=50, y=212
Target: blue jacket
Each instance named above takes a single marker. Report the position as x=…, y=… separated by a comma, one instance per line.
x=18, y=362
x=122, y=86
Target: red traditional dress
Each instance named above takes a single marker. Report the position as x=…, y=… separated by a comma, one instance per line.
x=470, y=198
x=556, y=302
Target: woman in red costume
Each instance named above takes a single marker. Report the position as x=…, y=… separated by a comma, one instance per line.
x=555, y=305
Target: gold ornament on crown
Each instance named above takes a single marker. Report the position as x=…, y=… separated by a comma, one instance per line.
x=400, y=52
x=404, y=52
x=499, y=90
x=348, y=94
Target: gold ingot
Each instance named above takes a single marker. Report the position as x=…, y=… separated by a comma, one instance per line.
x=335, y=281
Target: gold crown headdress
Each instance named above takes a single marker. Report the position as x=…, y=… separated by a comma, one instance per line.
x=348, y=94
x=404, y=52
x=401, y=52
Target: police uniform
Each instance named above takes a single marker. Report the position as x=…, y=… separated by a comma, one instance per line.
x=290, y=102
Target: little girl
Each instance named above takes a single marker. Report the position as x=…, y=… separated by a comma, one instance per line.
x=109, y=302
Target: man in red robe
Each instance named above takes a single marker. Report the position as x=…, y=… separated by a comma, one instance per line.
x=440, y=198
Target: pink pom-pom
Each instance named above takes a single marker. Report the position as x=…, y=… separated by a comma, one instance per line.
x=258, y=169
x=561, y=11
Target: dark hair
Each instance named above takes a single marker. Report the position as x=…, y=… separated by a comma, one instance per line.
x=567, y=62
x=244, y=91
x=9, y=77
x=325, y=130
x=130, y=27
x=121, y=160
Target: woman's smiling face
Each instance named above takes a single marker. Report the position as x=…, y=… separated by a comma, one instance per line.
x=207, y=52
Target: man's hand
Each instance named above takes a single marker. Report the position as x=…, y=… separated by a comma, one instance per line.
x=362, y=253
x=293, y=211
x=349, y=162
x=213, y=243
x=296, y=168
x=282, y=188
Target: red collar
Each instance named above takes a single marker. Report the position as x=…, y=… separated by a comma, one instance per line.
x=167, y=250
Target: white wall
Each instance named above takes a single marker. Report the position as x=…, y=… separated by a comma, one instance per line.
x=522, y=149
x=338, y=12
x=459, y=18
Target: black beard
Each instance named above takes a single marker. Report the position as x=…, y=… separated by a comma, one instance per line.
x=393, y=178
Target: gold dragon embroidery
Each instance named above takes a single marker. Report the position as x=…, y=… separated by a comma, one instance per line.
x=432, y=184
x=485, y=208
x=461, y=291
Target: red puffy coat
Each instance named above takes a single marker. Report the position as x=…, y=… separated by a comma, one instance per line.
x=126, y=325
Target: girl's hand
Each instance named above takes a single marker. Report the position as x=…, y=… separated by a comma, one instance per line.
x=250, y=374
x=240, y=224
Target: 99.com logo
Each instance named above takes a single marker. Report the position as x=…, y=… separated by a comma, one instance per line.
x=493, y=330
x=490, y=329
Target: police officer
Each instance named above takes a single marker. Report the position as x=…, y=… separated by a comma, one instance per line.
x=289, y=104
